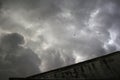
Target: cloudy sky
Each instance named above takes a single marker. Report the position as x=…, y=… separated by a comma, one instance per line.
x=41, y=35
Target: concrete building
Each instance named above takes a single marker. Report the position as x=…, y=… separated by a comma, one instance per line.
x=104, y=67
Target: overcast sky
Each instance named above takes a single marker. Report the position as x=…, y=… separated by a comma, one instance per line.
x=41, y=35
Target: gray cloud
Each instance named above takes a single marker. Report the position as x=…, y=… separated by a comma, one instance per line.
x=54, y=58
x=62, y=32
x=15, y=60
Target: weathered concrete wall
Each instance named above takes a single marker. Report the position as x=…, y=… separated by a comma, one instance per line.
x=107, y=66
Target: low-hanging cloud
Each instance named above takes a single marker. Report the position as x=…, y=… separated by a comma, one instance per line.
x=62, y=32
x=15, y=60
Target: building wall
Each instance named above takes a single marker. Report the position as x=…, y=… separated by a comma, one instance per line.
x=107, y=66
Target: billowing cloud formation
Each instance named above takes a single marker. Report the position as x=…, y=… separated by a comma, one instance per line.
x=63, y=32
x=15, y=60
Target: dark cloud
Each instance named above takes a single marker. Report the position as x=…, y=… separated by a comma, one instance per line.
x=61, y=32
x=13, y=39
x=15, y=60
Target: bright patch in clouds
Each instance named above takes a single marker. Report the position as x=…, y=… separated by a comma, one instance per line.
x=65, y=33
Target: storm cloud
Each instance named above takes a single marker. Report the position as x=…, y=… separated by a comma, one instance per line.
x=15, y=60
x=60, y=32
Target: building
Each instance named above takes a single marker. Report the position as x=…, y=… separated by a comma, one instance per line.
x=104, y=67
